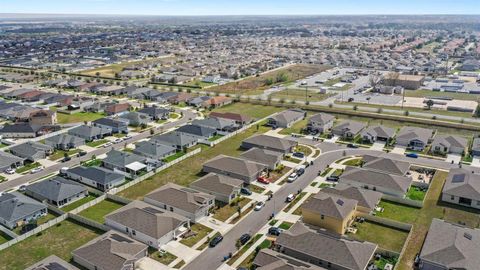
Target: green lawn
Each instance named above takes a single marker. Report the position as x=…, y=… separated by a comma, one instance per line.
x=228, y=210
x=79, y=117
x=416, y=194
x=214, y=138
x=27, y=167
x=58, y=154
x=398, y=212
x=255, y=111
x=99, y=211
x=165, y=258
x=92, y=163
x=200, y=230
x=187, y=171
x=59, y=240
x=4, y=237
x=244, y=249
x=386, y=237
x=174, y=156
x=79, y=203
x=2, y=178
x=285, y=225
x=97, y=143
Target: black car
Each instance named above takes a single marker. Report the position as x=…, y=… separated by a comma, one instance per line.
x=81, y=153
x=65, y=159
x=300, y=171
x=298, y=154
x=351, y=145
x=274, y=231
x=215, y=241
x=244, y=238
x=245, y=191
x=332, y=178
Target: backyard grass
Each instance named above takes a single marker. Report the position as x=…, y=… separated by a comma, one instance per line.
x=416, y=194
x=201, y=232
x=99, y=211
x=58, y=154
x=97, y=143
x=353, y=162
x=166, y=258
x=79, y=203
x=432, y=208
x=294, y=202
x=187, y=171
x=80, y=117
x=27, y=167
x=398, y=212
x=285, y=225
x=60, y=240
x=386, y=237
x=226, y=211
x=4, y=237
x=300, y=94
x=380, y=264
x=252, y=110
x=214, y=138
x=244, y=249
x=174, y=156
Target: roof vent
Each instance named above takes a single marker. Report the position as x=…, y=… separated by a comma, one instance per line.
x=340, y=202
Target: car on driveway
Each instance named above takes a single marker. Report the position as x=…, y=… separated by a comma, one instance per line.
x=244, y=238
x=9, y=171
x=332, y=178
x=215, y=241
x=259, y=206
x=274, y=231
x=36, y=170
x=298, y=155
x=67, y=158
x=81, y=153
x=263, y=180
x=118, y=140
x=411, y=155
x=245, y=191
x=292, y=177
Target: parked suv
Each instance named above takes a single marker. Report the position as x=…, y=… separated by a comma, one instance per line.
x=215, y=241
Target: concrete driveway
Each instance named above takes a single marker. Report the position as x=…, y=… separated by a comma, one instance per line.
x=378, y=146
x=456, y=158
x=476, y=162
x=399, y=150
x=334, y=139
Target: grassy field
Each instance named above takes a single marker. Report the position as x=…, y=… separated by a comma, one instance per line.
x=428, y=93
x=398, y=212
x=97, y=143
x=300, y=94
x=4, y=237
x=59, y=240
x=99, y=211
x=186, y=171
x=386, y=237
x=200, y=230
x=432, y=208
x=269, y=79
x=254, y=111
x=79, y=117
x=79, y=203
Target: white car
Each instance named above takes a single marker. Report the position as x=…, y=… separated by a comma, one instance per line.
x=118, y=140
x=292, y=177
x=290, y=198
x=259, y=206
x=107, y=145
x=35, y=170
x=9, y=171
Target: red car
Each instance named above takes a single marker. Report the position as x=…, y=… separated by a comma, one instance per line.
x=263, y=180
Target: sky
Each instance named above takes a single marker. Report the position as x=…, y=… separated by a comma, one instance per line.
x=241, y=7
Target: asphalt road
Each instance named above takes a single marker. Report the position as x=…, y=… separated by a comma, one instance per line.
x=187, y=117
x=212, y=257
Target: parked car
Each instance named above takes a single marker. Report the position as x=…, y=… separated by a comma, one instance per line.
x=65, y=159
x=118, y=140
x=290, y=197
x=108, y=144
x=22, y=188
x=259, y=206
x=300, y=171
x=9, y=171
x=81, y=153
x=332, y=178
x=292, y=177
x=244, y=238
x=215, y=241
x=351, y=145
x=298, y=154
x=351, y=99
x=411, y=155
x=263, y=180
x=274, y=231
x=245, y=191
x=35, y=170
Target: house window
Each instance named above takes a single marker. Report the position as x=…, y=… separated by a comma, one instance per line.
x=452, y=198
x=134, y=232
x=171, y=209
x=322, y=217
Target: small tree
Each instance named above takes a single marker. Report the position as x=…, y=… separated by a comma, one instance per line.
x=429, y=104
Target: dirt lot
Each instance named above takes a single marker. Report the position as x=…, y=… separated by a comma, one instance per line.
x=268, y=79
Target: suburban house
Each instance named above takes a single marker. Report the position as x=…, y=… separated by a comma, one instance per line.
x=154, y=150
x=135, y=119
x=224, y=188
x=348, y=129
x=8, y=160
x=377, y=133
x=52, y=262
x=216, y=102
x=268, y=259
x=476, y=147
x=386, y=165
x=17, y=209
x=148, y=224
x=219, y=124
x=64, y=141
x=156, y=113
x=110, y=251
x=246, y=170
x=286, y=118
x=450, y=246
x=414, y=138
x=269, y=143
x=179, y=140
x=115, y=109
x=31, y=151
x=99, y=178
x=186, y=202
x=200, y=132
x=43, y=118
x=320, y=123
x=449, y=144
x=329, y=211
x=323, y=249
x=270, y=158
x=57, y=191
x=90, y=133
x=366, y=199
x=462, y=187
x=20, y=130
x=197, y=101
x=240, y=119
x=125, y=162
x=393, y=185
x=116, y=126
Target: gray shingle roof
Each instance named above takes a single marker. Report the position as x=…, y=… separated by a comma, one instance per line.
x=64, y=139
x=153, y=149
x=349, y=254
x=217, y=183
x=365, y=198
x=330, y=205
x=288, y=116
x=30, y=149
x=180, y=197
x=450, y=141
x=452, y=246
x=89, y=131
x=52, y=262
x=268, y=259
x=321, y=118
x=387, y=165
x=262, y=156
x=121, y=159
x=216, y=123
x=380, y=131
x=7, y=159
x=353, y=127
x=175, y=138
x=265, y=141
x=463, y=183
x=386, y=180
x=415, y=133
x=15, y=206
x=99, y=175
x=235, y=165
x=56, y=188
x=201, y=131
